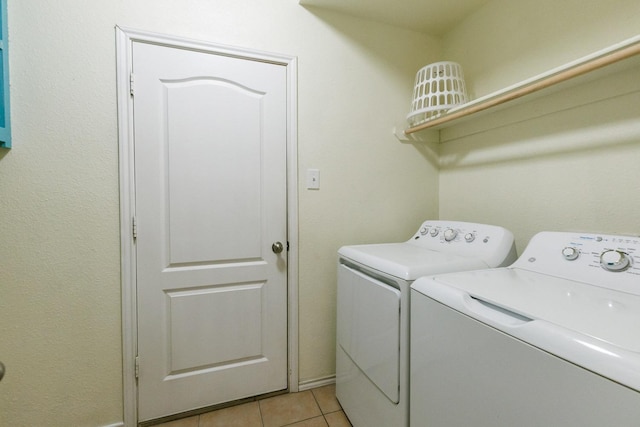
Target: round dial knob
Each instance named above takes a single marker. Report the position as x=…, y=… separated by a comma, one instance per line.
x=613, y=260
x=469, y=237
x=424, y=230
x=570, y=253
x=434, y=232
x=450, y=234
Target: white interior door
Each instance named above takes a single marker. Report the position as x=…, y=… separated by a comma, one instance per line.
x=210, y=190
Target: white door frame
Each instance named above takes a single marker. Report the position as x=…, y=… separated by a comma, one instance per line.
x=124, y=40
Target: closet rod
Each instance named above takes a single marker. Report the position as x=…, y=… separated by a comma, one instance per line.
x=567, y=74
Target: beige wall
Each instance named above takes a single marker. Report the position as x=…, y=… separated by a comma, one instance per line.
x=507, y=41
x=576, y=169
x=60, y=331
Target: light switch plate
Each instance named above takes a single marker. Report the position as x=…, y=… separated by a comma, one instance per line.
x=313, y=179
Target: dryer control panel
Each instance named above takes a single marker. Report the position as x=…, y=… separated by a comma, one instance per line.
x=494, y=245
x=608, y=261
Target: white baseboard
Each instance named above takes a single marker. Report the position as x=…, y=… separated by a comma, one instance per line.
x=319, y=382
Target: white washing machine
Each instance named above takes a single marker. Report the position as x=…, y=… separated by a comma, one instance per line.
x=553, y=340
x=372, y=372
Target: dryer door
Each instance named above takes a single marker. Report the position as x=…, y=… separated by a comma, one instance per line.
x=369, y=327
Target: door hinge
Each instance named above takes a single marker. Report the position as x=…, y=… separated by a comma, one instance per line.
x=137, y=368
x=134, y=227
x=131, y=84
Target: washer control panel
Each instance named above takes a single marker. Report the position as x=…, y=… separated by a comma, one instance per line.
x=495, y=245
x=454, y=232
x=609, y=261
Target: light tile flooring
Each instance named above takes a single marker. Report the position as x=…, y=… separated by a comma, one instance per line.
x=311, y=408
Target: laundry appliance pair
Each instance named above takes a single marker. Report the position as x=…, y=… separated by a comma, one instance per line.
x=552, y=338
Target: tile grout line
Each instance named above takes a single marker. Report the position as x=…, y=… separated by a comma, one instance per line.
x=319, y=407
x=260, y=411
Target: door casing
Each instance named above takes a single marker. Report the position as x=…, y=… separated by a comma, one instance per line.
x=124, y=39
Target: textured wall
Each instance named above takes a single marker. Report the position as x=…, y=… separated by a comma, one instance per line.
x=59, y=280
x=373, y=189
x=568, y=161
x=508, y=41
x=60, y=332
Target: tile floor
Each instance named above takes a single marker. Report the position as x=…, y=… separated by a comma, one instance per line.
x=311, y=408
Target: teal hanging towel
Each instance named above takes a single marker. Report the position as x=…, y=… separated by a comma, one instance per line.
x=5, y=125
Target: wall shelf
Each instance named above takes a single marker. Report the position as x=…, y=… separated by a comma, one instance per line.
x=594, y=65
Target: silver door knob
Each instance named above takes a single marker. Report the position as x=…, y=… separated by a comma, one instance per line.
x=277, y=247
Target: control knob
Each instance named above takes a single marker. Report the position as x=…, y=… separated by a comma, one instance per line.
x=469, y=237
x=450, y=234
x=612, y=260
x=434, y=232
x=424, y=230
x=570, y=253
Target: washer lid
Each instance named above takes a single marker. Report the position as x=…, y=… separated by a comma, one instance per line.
x=587, y=325
x=408, y=262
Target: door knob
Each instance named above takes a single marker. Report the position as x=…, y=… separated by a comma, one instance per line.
x=277, y=247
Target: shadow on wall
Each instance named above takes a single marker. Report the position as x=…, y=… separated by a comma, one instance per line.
x=587, y=138
x=589, y=117
x=429, y=150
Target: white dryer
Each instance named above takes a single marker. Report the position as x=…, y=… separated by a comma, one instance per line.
x=372, y=355
x=553, y=340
